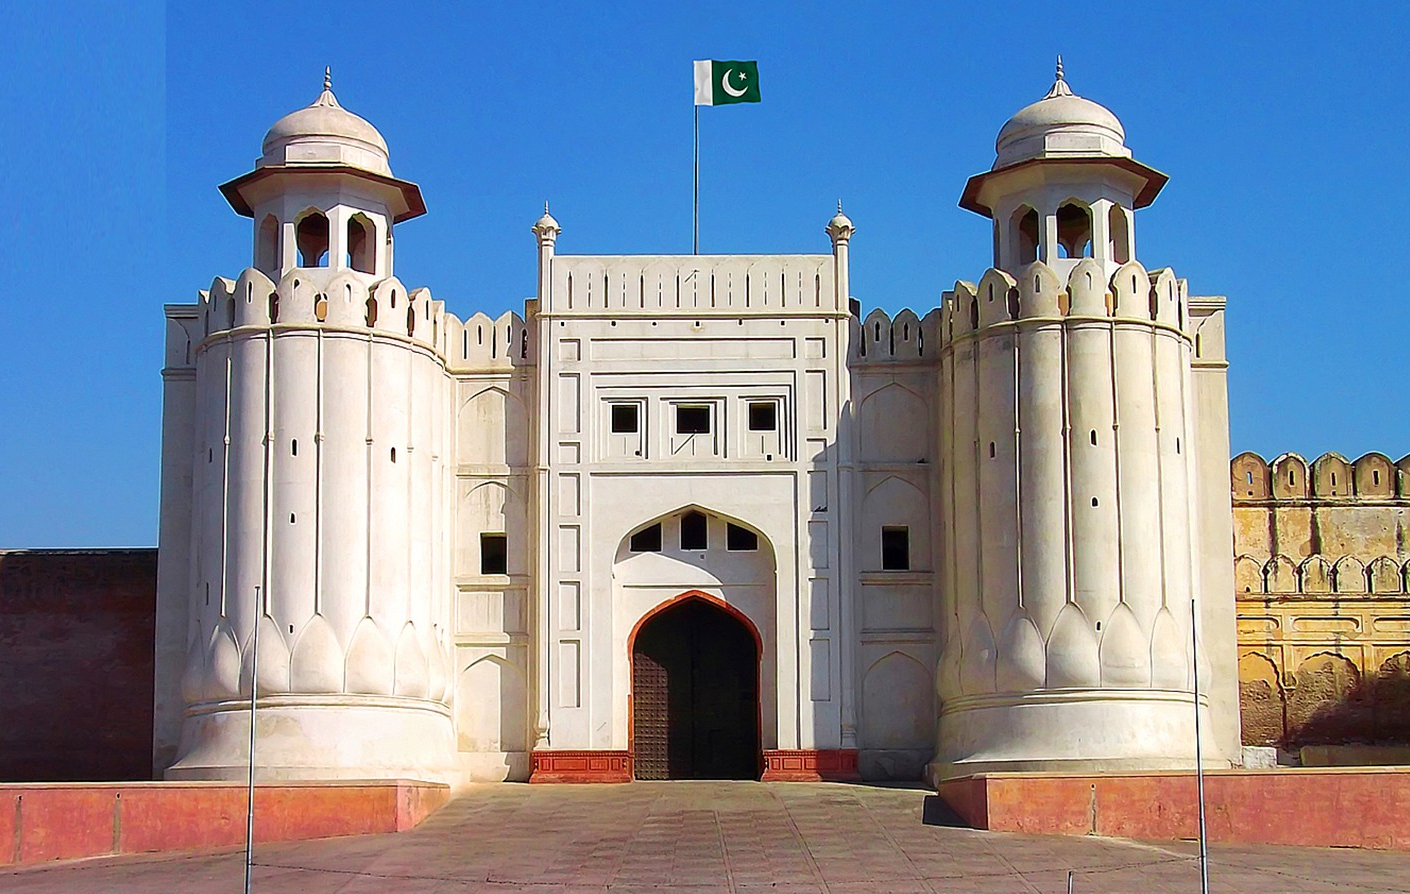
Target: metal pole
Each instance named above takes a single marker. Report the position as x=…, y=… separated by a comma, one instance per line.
x=1199, y=754
x=250, y=803
x=695, y=231
x=1069, y=881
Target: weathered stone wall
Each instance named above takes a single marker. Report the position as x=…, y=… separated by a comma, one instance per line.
x=76, y=647
x=1320, y=573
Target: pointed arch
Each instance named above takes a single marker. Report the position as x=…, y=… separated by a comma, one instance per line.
x=361, y=244
x=311, y=236
x=1023, y=234
x=267, y=257
x=898, y=703
x=492, y=706
x=491, y=428
x=893, y=425
x=1074, y=229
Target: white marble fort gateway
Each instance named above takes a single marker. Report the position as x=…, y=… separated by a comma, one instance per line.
x=694, y=515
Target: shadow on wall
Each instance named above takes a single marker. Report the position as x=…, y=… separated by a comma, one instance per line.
x=1326, y=701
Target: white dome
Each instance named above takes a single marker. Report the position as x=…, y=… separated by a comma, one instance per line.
x=1060, y=125
x=325, y=133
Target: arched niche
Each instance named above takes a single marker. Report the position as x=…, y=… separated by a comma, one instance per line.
x=492, y=429
x=892, y=423
x=487, y=507
x=895, y=503
x=898, y=704
x=491, y=707
x=1261, y=700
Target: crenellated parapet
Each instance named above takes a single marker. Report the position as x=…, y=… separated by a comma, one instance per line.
x=1290, y=479
x=905, y=339
x=1040, y=293
x=342, y=301
x=483, y=344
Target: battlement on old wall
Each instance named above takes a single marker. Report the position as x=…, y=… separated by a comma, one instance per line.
x=346, y=301
x=1321, y=573
x=1131, y=293
x=481, y=343
x=905, y=339
x=1330, y=477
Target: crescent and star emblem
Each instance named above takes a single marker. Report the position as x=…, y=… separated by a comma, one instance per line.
x=724, y=82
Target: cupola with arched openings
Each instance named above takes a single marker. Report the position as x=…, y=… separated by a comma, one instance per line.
x=322, y=194
x=1063, y=186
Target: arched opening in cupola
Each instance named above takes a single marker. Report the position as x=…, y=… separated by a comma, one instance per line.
x=361, y=242
x=311, y=234
x=1025, y=234
x=1074, y=230
x=267, y=246
x=1119, y=234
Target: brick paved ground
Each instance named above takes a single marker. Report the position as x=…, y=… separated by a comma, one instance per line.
x=709, y=837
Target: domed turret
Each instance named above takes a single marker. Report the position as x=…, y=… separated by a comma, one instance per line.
x=1063, y=185
x=323, y=193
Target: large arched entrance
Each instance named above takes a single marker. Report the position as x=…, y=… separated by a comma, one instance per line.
x=695, y=694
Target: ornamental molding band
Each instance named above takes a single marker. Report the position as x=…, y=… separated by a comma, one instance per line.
x=702, y=516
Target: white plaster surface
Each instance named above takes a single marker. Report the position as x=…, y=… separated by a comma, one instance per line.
x=1051, y=441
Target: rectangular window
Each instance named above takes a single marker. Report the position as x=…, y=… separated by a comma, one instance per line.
x=625, y=420
x=740, y=539
x=647, y=540
x=494, y=554
x=763, y=416
x=695, y=532
x=692, y=420
x=895, y=549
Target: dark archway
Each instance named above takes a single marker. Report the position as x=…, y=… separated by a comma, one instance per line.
x=695, y=694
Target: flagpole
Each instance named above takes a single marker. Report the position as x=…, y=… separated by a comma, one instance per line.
x=1199, y=753
x=695, y=205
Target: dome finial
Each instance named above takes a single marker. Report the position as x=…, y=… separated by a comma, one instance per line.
x=328, y=74
x=1059, y=87
x=839, y=206
x=545, y=206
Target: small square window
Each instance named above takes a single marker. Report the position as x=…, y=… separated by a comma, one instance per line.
x=763, y=416
x=740, y=539
x=647, y=540
x=692, y=420
x=695, y=532
x=494, y=554
x=895, y=549
x=625, y=419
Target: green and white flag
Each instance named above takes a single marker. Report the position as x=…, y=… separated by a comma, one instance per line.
x=720, y=83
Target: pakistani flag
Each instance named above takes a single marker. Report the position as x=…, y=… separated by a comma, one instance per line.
x=720, y=83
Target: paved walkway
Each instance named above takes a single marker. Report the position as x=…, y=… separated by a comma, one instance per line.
x=716, y=837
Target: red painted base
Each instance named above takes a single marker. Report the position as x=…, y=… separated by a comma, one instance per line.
x=42, y=822
x=1341, y=807
x=811, y=765
x=581, y=766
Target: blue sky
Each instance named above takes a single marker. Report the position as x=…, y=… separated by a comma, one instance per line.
x=1285, y=137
